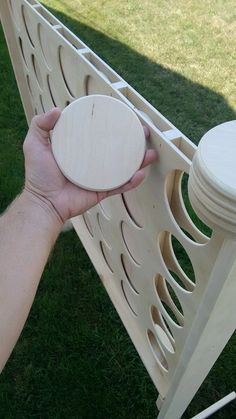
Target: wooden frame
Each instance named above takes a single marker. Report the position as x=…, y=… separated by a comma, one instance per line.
x=174, y=320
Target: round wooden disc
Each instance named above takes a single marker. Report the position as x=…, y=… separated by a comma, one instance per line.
x=98, y=142
x=217, y=151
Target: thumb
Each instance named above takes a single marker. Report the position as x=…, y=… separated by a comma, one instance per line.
x=43, y=124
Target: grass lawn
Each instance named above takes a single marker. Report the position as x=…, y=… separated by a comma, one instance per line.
x=74, y=358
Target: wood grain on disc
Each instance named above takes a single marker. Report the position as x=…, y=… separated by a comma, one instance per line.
x=98, y=142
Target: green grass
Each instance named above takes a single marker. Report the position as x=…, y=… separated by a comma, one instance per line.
x=74, y=358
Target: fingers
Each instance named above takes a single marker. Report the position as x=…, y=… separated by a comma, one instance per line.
x=150, y=157
x=43, y=124
x=146, y=131
x=135, y=181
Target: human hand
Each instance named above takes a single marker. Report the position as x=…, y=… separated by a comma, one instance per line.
x=46, y=182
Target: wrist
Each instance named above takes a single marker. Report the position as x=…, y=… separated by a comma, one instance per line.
x=42, y=208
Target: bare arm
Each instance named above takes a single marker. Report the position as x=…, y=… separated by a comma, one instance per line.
x=31, y=225
x=27, y=234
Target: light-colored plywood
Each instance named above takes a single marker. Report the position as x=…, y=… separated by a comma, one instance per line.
x=98, y=143
x=212, y=188
x=178, y=320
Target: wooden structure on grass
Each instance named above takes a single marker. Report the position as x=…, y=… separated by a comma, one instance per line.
x=179, y=323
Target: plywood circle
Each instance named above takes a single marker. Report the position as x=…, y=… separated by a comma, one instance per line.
x=98, y=142
x=216, y=154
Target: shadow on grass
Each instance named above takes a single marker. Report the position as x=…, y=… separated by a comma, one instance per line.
x=74, y=358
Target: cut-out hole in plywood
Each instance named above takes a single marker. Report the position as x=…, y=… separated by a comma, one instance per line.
x=106, y=256
x=42, y=104
x=157, y=351
x=104, y=226
x=175, y=257
x=28, y=84
x=88, y=223
x=92, y=84
x=106, y=207
x=131, y=244
x=183, y=259
x=128, y=268
x=169, y=300
x=37, y=70
x=28, y=24
x=46, y=47
x=129, y=297
x=134, y=211
x=164, y=336
x=67, y=63
x=207, y=231
x=22, y=51
x=178, y=201
x=50, y=91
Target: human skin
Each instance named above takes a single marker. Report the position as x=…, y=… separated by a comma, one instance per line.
x=32, y=223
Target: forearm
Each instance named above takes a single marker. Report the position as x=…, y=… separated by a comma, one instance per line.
x=28, y=231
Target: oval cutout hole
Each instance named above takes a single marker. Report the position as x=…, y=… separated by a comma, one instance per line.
x=183, y=258
x=37, y=70
x=127, y=300
x=88, y=224
x=133, y=209
x=50, y=91
x=157, y=351
x=26, y=20
x=169, y=300
x=106, y=256
x=164, y=337
x=195, y=219
x=127, y=268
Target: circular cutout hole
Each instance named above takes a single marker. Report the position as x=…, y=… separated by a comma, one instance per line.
x=27, y=24
x=22, y=51
x=177, y=261
x=41, y=103
x=106, y=255
x=37, y=71
x=183, y=258
x=157, y=351
x=195, y=219
x=46, y=47
x=174, y=298
x=124, y=290
x=167, y=328
x=163, y=334
x=177, y=196
x=106, y=207
x=133, y=209
x=50, y=90
x=67, y=64
x=103, y=224
x=186, y=286
x=169, y=300
x=131, y=243
x=93, y=86
x=87, y=223
x=128, y=270
x=28, y=84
